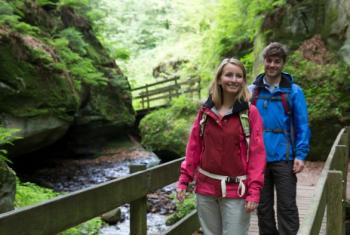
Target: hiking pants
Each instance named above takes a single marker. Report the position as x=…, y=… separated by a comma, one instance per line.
x=279, y=175
x=222, y=216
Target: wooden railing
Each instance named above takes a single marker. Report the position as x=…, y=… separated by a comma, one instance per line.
x=330, y=192
x=72, y=209
x=161, y=93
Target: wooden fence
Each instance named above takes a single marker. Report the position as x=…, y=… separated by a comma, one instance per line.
x=161, y=93
x=72, y=209
x=330, y=192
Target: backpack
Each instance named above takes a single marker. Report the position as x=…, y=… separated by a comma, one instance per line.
x=244, y=119
x=284, y=98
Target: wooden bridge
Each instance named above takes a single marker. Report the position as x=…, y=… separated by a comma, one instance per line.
x=160, y=93
x=321, y=206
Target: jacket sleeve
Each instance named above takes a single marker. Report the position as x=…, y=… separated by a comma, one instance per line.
x=193, y=151
x=302, y=131
x=257, y=157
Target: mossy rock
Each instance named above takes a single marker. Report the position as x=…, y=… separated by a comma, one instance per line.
x=7, y=188
x=167, y=130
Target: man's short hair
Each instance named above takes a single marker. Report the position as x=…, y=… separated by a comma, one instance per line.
x=275, y=49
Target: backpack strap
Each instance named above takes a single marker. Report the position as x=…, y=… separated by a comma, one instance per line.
x=244, y=118
x=285, y=103
x=202, y=123
x=284, y=98
x=255, y=95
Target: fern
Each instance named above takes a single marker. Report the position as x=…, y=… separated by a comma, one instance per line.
x=75, y=3
x=6, y=137
x=75, y=39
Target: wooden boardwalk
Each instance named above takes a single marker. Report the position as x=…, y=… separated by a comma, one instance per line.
x=306, y=185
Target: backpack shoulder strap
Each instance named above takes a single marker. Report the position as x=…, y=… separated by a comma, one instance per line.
x=202, y=123
x=255, y=95
x=244, y=118
x=285, y=103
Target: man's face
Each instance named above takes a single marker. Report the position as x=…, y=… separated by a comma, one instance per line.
x=273, y=66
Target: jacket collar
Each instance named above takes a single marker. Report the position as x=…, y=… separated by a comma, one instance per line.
x=238, y=106
x=286, y=81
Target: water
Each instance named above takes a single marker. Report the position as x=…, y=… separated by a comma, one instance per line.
x=69, y=175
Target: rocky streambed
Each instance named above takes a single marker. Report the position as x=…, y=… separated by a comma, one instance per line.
x=69, y=175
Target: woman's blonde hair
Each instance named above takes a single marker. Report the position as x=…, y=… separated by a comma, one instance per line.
x=215, y=89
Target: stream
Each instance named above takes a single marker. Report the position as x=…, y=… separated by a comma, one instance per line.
x=69, y=175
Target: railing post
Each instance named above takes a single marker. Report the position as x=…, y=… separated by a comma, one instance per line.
x=335, y=217
x=147, y=96
x=138, y=209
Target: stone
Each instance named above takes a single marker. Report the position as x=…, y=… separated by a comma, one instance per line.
x=113, y=216
x=7, y=188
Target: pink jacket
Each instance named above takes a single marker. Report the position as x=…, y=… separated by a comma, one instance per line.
x=222, y=150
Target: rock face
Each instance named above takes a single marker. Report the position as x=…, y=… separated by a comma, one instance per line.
x=57, y=80
x=7, y=188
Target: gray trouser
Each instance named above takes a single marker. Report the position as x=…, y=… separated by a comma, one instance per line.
x=222, y=216
x=279, y=175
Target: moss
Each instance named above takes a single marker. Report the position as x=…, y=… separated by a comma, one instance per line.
x=168, y=129
x=26, y=85
x=113, y=108
x=29, y=194
x=325, y=86
x=182, y=209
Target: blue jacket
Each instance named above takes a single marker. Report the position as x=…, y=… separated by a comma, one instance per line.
x=278, y=136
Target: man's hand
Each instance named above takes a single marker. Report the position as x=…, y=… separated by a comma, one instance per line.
x=298, y=166
x=180, y=194
x=250, y=206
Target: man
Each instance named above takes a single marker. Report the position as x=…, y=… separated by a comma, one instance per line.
x=282, y=106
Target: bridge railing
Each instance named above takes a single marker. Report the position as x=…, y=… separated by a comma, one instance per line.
x=69, y=210
x=160, y=93
x=330, y=192
x=72, y=209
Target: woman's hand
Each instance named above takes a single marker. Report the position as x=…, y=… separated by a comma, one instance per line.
x=180, y=194
x=250, y=206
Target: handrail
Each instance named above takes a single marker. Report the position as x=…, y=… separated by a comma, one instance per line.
x=65, y=211
x=163, y=91
x=325, y=194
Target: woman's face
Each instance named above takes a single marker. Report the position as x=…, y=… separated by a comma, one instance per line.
x=231, y=79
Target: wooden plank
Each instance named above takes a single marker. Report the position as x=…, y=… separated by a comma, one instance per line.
x=334, y=203
x=69, y=210
x=154, y=84
x=158, y=91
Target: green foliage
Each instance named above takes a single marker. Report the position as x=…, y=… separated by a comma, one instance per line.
x=325, y=86
x=46, y=2
x=182, y=209
x=6, y=137
x=238, y=22
x=90, y=227
x=74, y=3
x=121, y=53
x=11, y=16
x=76, y=41
x=29, y=194
x=81, y=68
x=142, y=34
x=168, y=129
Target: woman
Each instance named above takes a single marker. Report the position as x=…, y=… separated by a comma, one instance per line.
x=227, y=165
